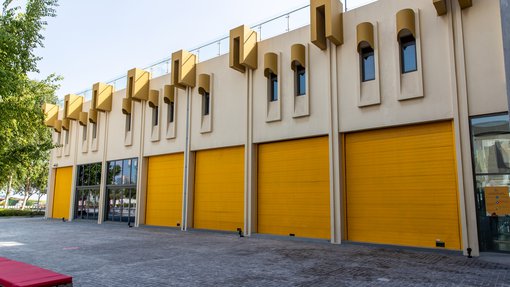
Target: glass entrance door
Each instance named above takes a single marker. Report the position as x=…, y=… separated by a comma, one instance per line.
x=121, y=204
x=88, y=179
x=491, y=156
x=87, y=203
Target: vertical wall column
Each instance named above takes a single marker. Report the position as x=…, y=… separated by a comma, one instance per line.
x=104, y=173
x=50, y=188
x=250, y=166
x=73, y=128
x=142, y=174
x=189, y=171
x=462, y=134
x=334, y=148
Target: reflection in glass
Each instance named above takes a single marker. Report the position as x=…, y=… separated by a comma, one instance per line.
x=121, y=205
x=367, y=64
x=300, y=75
x=89, y=175
x=408, y=54
x=117, y=172
x=87, y=206
x=491, y=144
x=134, y=170
x=126, y=170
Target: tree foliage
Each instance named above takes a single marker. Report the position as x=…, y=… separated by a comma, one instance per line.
x=24, y=141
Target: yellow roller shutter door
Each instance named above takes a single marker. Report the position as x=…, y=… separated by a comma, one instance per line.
x=62, y=192
x=219, y=189
x=402, y=186
x=164, y=190
x=293, y=188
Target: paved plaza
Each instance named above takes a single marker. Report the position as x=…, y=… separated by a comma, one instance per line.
x=115, y=255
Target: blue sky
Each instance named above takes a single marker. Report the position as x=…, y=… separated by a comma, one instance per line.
x=96, y=40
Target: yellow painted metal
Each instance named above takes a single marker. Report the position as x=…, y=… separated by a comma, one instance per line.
x=293, y=188
x=402, y=186
x=204, y=83
x=406, y=22
x=62, y=192
x=365, y=34
x=297, y=56
x=184, y=69
x=243, y=49
x=219, y=189
x=270, y=64
x=164, y=190
x=326, y=22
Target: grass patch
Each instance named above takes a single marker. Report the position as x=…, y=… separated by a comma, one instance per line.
x=17, y=212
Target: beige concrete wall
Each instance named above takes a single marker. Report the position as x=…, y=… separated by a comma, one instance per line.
x=90, y=155
x=228, y=107
x=116, y=149
x=485, y=67
x=289, y=127
x=436, y=103
x=65, y=160
x=165, y=145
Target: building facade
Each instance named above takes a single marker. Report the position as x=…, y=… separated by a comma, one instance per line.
x=385, y=124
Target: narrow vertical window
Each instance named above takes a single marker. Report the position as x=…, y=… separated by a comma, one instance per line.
x=272, y=81
x=67, y=138
x=128, y=122
x=367, y=63
x=206, y=101
x=155, y=116
x=84, y=133
x=94, y=130
x=408, y=54
x=300, y=80
x=59, y=139
x=171, y=107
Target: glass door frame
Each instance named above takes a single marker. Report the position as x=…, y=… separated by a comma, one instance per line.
x=484, y=240
x=77, y=200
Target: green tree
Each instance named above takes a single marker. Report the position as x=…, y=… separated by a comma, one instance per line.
x=23, y=137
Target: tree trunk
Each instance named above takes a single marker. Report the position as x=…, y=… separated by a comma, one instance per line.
x=8, y=192
x=39, y=195
x=26, y=193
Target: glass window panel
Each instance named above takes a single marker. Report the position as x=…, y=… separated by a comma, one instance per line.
x=273, y=87
x=97, y=174
x=408, y=54
x=206, y=99
x=110, y=176
x=80, y=175
x=134, y=170
x=367, y=64
x=86, y=176
x=126, y=170
x=118, y=172
x=155, y=116
x=171, y=112
x=491, y=144
x=493, y=212
x=128, y=122
x=300, y=81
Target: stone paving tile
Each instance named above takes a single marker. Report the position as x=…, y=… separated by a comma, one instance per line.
x=115, y=255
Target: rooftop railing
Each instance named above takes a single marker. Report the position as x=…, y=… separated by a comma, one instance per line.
x=289, y=21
